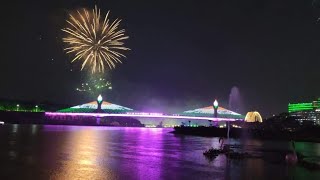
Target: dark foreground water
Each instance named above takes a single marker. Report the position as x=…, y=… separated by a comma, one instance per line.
x=73, y=152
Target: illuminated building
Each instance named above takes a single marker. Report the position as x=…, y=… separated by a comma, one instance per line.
x=306, y=111
x=253, y=116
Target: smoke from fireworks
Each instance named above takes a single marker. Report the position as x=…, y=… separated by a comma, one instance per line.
x=95, y=86
x=94, y=41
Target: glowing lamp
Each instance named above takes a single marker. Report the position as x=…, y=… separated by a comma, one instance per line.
x=99, y=99
x=215, y=104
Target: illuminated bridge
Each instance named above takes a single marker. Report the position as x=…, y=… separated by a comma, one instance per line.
x=199, y=116
x=140, y=115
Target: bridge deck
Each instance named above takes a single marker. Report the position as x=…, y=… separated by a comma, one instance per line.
x=143, y=115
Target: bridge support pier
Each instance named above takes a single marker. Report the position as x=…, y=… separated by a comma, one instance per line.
x=98, y=120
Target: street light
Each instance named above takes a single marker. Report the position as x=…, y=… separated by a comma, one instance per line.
x=18, y=107
x=36, y=108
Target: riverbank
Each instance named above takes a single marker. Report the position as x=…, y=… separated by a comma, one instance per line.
x=20, y=117
x=305, y=134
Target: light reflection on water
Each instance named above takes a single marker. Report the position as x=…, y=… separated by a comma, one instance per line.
x=84, y=148
x=75, y=152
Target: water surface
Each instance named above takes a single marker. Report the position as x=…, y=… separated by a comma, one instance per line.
x=80, y=152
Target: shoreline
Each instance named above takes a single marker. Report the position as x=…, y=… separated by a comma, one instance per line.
x=243, y=133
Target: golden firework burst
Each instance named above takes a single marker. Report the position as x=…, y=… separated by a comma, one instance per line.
x=94, y=41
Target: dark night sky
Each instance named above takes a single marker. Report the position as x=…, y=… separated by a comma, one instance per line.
x=184, y=54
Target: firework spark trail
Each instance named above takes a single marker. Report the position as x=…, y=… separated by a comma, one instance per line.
x=93, y=41
x=95, y=85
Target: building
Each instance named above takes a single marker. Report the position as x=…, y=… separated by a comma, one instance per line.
x=306, y=111
x=253, y=116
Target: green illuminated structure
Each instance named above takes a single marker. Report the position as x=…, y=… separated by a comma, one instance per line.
x=105, y=107
x=295, y=107
x=300, y=107
x=306, y=111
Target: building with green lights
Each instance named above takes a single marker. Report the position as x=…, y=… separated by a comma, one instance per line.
x=306, y=111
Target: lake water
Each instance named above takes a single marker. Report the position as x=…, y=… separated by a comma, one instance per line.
x=80, y=152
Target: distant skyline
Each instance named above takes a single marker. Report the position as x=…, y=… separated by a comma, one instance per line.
x=184, y=54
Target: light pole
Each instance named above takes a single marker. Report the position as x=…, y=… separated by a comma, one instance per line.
x=18, y=107
x=36, y=108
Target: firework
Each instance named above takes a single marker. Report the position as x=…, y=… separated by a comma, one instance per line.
x=95, y=85
x=94, y=41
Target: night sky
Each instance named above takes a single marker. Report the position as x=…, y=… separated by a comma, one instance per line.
x=184, y=54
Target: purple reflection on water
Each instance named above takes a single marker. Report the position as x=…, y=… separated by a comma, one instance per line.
x=74, y=128
x=83, y=152
x=148, y=146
